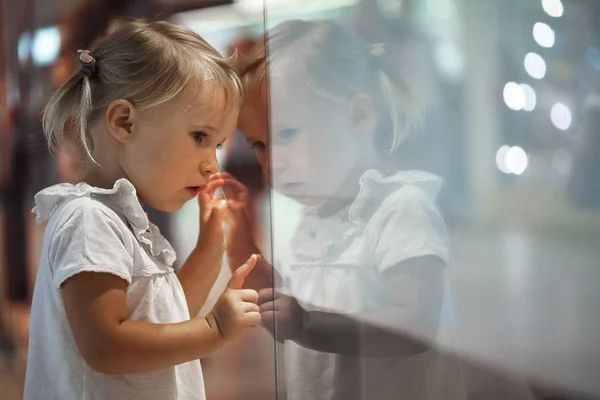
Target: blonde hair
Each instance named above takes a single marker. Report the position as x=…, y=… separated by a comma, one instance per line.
x=336, y=63
x=146, y=63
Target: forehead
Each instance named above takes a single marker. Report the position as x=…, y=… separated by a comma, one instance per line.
x=293, y=99
x=199, y=108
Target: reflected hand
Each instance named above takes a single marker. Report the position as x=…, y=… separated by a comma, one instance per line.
x=235, y=192
x=281, y=313
x=264, y=276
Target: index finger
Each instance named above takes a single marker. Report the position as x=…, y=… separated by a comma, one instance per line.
x=240, y=274
x=214, y=184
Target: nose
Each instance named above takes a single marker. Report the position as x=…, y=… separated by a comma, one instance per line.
x=209, y=166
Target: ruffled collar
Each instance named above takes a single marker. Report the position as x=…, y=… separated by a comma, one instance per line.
x=374, y=188
x=123, y=198
x=323, y=237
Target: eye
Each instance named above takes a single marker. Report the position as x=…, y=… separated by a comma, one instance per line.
x=287, y=134
x=220, y=146
x=199, y=136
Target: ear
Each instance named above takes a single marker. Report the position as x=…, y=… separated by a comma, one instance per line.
x=362, y=113
x=121, y=117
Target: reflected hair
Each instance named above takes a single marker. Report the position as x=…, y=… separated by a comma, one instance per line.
x=146, y=63
x=336, y=63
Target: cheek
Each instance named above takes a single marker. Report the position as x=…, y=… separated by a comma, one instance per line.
x=330, y=176
x=159, y=155
x=151, y=156
x=150, y=138
x=331, y=163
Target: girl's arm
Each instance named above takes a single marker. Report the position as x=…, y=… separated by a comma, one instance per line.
x=95, y=305
x=406, y=327
x=197, y=277
x=201, y=269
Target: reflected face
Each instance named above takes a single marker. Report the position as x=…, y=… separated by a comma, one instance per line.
x=254, y=124
x=312, y=147
x=173, y=152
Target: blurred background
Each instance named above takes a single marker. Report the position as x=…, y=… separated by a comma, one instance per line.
x=511, y=93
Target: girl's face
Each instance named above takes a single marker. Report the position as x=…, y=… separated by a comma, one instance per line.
x=316, y=147
x=172, y=152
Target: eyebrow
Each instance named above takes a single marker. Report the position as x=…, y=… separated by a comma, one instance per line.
x=276, y=129
x=205, y=127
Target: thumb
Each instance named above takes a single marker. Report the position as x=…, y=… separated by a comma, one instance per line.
x=240, y=274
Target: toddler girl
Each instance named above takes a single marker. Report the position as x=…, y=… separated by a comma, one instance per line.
x=110, y=319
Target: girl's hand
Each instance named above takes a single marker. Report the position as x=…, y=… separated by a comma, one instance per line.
x=211, y=241
x=277, y=309
x=239, y=239
x=236, y=309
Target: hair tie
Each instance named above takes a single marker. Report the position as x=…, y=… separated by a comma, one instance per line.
x=377, y=53
x=87, y=63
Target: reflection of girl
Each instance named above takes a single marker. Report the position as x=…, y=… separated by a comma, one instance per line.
x=367, y=260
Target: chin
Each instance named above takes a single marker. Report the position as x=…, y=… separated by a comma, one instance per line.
x=310, y=201
x=306, y=200
x=171, y=209
x=168, y=207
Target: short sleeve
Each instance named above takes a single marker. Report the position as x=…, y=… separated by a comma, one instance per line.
x=408, y=225
x=88, y=240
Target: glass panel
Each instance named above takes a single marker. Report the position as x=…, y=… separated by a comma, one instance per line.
x=434, y=203
x=245, y=369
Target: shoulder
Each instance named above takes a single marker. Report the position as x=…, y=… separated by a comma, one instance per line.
x=407, y=225
x=406, y=204
x=403, y=195
x=89, y=215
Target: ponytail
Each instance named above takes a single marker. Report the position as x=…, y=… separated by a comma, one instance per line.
x=69, y=109
x=401, y=113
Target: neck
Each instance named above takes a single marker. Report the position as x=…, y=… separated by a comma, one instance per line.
x=345, y=195
x=101, y=176
x=96, y=176
x=336, y=203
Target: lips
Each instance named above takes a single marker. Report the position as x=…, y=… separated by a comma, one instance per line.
x=194, y=190
x=292, y=187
